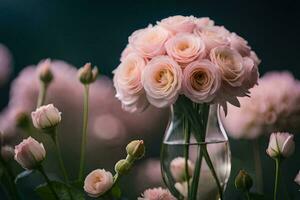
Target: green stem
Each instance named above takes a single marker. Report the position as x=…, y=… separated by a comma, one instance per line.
x=257, y=165
x=42, y=94
x=187, y=136
x=10, y=178
x=196, y=176
x=84, y=131
x=41, y=170
x=248, y=195
x=277, y=175
x=59, y=155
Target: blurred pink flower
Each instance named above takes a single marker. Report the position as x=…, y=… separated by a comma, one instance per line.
x=5, y=64
x=273, y=106
x=156, y=194
x=147, y=175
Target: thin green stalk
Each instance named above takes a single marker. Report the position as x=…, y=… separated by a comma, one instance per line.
x=42, y=94
x=10, y=178
x=187, y=136
x=59, y=156
x=248, y=195
x=41, y=170
x=196, y=176
x=277, y=176
x=257, y=165
x=84, y=131
x=212, y=169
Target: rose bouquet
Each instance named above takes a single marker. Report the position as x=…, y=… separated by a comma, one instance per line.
x=187, y=63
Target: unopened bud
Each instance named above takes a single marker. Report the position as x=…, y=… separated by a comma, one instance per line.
x=44, y=71
x=86, y=75
x=7, y=152
x=136, y=149
x=22, y=120
x=243, y=181
x=122, y=167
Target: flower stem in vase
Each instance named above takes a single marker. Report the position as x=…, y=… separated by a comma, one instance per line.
x=186, y=153
x=277, y=176
x=257, y=165
x=84, y=130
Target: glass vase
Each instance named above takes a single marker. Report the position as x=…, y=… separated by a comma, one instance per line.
x=195, y=154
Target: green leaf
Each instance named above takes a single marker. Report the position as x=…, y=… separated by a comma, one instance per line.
x=116, y=191
x=63, y=191
x=23, y=175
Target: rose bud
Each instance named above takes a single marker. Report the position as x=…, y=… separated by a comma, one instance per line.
x=281, y=145
x=44, y=71
x=177, y=168
x=22, y=120
x=122, y=167
x=30, y=153
x=98, y=182
x=136, y=149
x=7, y=153
x=297, y=178
x=46, y=117
x=86, y=74
x=243, y=181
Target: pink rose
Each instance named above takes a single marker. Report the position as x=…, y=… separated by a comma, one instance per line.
x=30, y=153
x=162, y=79
x=239, y=44
x=203, y=22
x=98, y=182
x=201, y=81
x=178, y=24
x=251, y=73
x=128, y=50
x=213, y=36
x=281, y=144
x=127, y=81
x=185, y=47
x=149, y=42
x=230, y=63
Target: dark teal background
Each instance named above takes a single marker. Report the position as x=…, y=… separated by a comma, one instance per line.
x=97, y=31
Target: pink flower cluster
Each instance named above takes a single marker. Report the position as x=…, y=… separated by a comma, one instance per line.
x=184, y=56
x=273, y=106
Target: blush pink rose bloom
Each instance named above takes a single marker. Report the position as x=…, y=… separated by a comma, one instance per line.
x=156, y=194
x=201, y=81
x=178, y=24
x=203, y=22
x=149, y=42
x=230, y=63
x=127, y=81
x=98, y=182
x=213, y=36
x=45, y=117
x=281, y=144
x=30, y=153
x=128, y=50
x=239, y=44
x=162, y=79
x=185, y=47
